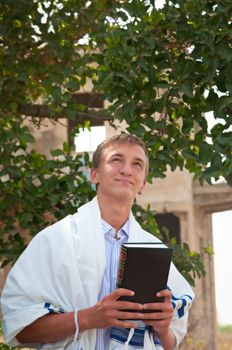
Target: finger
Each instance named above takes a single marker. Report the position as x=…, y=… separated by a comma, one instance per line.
x=117, y=293
x=158, y=306
x=122, y=324
x=127, y=305
x=157, y=316
x=157, y=324
x=124, y=315
x=121, y=305
x=166, y=293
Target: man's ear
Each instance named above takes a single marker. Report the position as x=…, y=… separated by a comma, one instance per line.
x=142, y=187
x=94, y=176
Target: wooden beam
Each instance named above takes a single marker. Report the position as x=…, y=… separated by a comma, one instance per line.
x=97, y=117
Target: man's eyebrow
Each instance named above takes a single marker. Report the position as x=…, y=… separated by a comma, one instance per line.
x=117, y=154
x=121, y=155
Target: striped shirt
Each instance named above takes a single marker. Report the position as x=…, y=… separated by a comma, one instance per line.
x=110, y=276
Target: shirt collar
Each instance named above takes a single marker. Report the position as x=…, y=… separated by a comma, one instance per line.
x=107, y=227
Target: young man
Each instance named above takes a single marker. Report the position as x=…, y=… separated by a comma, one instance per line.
x=61, y=291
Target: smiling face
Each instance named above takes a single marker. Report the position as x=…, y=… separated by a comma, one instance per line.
x=121, y=173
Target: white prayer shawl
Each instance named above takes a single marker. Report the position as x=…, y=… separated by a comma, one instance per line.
x=63, y=266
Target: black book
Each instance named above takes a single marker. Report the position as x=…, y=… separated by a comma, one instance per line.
x=144, y=268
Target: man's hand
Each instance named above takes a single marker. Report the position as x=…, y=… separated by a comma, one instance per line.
x=106, y=313
x=160, y=320
x=109, y=312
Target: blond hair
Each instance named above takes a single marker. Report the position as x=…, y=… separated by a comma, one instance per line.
x=122, y=138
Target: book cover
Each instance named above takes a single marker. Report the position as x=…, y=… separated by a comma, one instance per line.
x=144, y=268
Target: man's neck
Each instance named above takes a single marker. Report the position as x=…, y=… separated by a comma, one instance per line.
x=114, y=212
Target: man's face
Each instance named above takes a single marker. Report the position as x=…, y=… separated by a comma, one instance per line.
x=122, y=171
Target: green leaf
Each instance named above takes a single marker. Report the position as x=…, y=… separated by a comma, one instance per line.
x=57, y=152
x=27, y=138
x=16, y=23
x=187, y=89
x=25, y=219
x=66, y=147
x=225, y=139
x=225, y=102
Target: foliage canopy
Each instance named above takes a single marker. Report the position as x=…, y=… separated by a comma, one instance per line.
x=173, y=63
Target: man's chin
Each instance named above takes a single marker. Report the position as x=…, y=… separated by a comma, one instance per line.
x=125, y=194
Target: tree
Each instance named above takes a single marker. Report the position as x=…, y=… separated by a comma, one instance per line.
x=173, y=63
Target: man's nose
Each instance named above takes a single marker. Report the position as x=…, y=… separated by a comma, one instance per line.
x=126, y=170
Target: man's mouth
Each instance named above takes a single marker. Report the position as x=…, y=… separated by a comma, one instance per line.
x=124, y=181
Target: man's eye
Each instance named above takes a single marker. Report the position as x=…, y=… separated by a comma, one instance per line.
x=138, y=164
x=116, y=159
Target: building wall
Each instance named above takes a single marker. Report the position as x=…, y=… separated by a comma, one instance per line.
x=49, y=135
